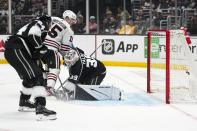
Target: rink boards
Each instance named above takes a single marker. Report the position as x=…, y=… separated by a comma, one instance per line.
x=112, y=50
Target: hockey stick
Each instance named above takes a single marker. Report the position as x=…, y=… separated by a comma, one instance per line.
x=61, y=84
x=96, y=49
x=61, y=94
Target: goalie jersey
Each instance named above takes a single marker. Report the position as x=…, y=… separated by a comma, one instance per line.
x=85, y=77
x=85, y=69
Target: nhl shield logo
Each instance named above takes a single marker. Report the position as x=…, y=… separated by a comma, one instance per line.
x=108, y=46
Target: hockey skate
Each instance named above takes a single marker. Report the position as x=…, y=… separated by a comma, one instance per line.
x=26, y=106
x=43, y=113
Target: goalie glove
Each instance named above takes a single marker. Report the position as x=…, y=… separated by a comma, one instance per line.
x=67, y=92
x=69, y=86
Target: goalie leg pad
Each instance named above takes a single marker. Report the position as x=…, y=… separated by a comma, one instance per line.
x=97, y=92
x=82, y=94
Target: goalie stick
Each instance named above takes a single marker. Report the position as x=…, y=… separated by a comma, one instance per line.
x=96, y=49
x=60, y=94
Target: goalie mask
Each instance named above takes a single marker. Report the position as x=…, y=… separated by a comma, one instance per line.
x=70, y=57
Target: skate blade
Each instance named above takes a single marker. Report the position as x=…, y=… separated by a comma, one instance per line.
x=42, y=117
x=26, y=109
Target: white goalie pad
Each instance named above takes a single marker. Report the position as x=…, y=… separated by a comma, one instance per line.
x=97, y=92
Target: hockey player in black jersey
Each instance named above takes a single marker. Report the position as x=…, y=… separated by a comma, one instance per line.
x=83, y=69
x=23, y=52
x=85, y=76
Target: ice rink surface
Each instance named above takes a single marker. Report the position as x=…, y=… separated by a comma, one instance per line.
x=137, y=111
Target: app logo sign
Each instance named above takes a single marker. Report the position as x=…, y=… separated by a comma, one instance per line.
x=126, y=47
x=108, y=46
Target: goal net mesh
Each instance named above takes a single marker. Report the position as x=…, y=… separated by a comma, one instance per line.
x=171, y=67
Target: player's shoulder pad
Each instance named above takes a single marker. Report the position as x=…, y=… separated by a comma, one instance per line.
x=36, y=29
x=60, y=22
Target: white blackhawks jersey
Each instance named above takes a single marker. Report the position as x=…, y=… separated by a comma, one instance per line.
x=60, y=35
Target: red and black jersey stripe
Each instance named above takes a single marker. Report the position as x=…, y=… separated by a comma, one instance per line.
x=51, y=43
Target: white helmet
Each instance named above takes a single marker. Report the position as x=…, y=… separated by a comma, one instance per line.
x=70, y=57
x=71, y=15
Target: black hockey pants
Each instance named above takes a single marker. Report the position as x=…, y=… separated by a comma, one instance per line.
x=26, y=67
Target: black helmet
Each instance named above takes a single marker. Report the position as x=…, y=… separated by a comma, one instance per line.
x=45, y=18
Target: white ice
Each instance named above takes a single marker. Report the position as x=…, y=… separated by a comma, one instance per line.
x=138, y=111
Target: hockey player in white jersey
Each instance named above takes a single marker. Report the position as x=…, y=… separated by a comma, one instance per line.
x=59, y=39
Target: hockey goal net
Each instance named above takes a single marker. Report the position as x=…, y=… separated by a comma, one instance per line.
x=170, y=67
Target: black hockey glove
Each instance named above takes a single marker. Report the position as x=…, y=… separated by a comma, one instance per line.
x=40, y=52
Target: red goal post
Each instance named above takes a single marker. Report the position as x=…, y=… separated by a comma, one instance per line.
x=167, y=62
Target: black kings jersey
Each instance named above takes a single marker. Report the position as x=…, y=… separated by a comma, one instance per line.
x=85, y=68
x=28, y=37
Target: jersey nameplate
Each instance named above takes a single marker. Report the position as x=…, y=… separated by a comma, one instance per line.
x=60, y=23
